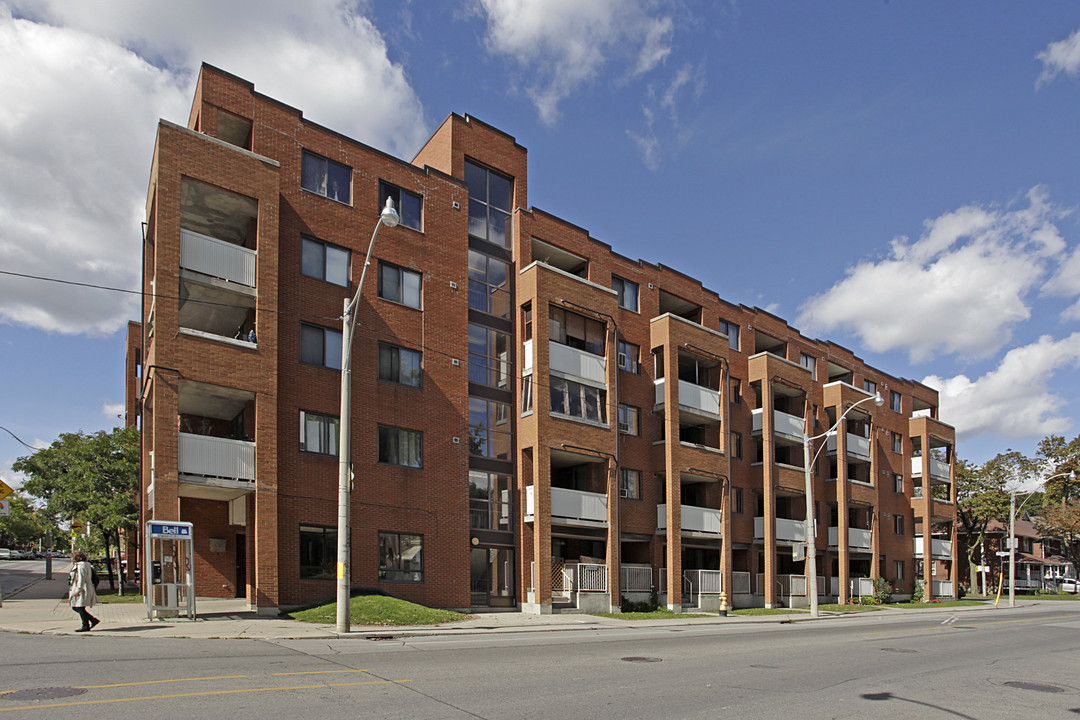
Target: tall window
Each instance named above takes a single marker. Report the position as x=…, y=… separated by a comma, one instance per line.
x=399, y=285
x=324, y=262
x=869, y=386
x=318, y=433
x=326, y=177
x=736, y=446
x=489, y=357
x=630, y=484
x=629, y=419
x=401, y=557
x=737, y=501
x=895, y=401
x=318, y=552
x=401, y=447
x=488, y=289
x=898, y=569
x=408, y=204
x=489, y=204
x=489, y=500
x=399, y=365
x=627, y=291
x=898, y=524
x=577, y=331
x=810, y=363
x=898, y=483
x=320, y=346
x=732, y=332
x=489, y=429
x=578, y=401
x=628, y=357
x=897, y=443
x=736, y=391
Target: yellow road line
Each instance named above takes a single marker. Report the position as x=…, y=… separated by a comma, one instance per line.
x=200, y=694
x=319, y=672
x=991, y=622
x=156, y=682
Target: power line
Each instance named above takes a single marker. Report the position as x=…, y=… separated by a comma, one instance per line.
x=19, y=439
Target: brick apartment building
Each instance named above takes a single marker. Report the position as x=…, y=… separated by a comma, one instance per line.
x=538, y=421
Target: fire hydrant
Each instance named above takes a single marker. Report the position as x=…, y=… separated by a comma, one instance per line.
x=723, y=604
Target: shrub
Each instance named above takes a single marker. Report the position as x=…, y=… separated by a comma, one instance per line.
x=882, y=591
x=917, y=596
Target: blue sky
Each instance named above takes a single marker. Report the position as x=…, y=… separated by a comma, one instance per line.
x=901, y=178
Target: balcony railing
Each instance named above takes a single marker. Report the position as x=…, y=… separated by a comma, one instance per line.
x=938, y=470
x=703, y=400
x=216, y=457
x=856, y=445
x=783, y=424
x=740, y=583
x=577, y=363
x=694, y=519
x=791, y=585
x=861, y=587
x=858, y=539
x=217, y=258
x=571, y=505
x=938, y=548
x=636, y=578
x=786, y=530
x=941, y=588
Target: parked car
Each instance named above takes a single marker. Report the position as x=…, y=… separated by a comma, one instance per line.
x=5, y=553
x=1068, y=585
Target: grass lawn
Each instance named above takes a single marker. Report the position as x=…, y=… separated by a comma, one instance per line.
x=1058, y=596
x=131, y=596
x=766, y=611
x=834, y=607
x=943, y=604
x=379, y=610
x=659, y=614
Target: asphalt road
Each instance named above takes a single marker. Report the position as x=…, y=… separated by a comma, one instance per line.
x=1022, y=663
x=15, y=574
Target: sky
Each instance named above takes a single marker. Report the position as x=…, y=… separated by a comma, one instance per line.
x=902, y=178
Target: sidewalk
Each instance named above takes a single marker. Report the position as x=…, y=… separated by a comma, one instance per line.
x=40, y=608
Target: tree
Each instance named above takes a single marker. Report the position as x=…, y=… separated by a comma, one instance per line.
x=981, y=497
x=1063, y=521
x=93, y=478
x=24, y=525
x=1060, y=514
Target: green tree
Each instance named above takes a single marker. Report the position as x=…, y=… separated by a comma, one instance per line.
x=25, y=525
x=981, y=497
x=93, y=478
x=1058, y=456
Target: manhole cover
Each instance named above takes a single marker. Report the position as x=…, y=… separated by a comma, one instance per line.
x=641, y=659
x=47, y=693
x=1037, y=687
x=899, y=650
x=379, y=637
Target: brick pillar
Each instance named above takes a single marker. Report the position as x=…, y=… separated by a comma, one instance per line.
x=614, y=551
x=542, y=529
x=768, y=453
x=842, y=495
x=672, y=479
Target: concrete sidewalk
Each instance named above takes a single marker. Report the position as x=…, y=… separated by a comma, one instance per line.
x=42, y=608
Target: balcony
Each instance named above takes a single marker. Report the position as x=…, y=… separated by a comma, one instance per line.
x=793, y=531
x=693, y=519
x=857, y=446
x=217, y=258
x=939, y=470
x=695, y=398
x=576, y=363
x=783, y=424
x=223, y=469
x=571, y=507
x=941, y=549
x=858, y=539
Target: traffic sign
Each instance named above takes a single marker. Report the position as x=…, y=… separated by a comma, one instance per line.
x=77, y=527
x=5, y=508
x=1003, y=553
x=5, y=490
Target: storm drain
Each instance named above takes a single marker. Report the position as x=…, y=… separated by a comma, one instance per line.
x=640, y=659
x=47, y=693
x=1035, y=687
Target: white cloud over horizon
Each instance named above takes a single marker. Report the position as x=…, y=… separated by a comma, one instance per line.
x=1060, y=57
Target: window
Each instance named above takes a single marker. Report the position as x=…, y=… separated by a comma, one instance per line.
x=526, y=394
x=736, y=391
x=810, y=363
x=320, y=346
x=895, y=401
x=326, y=177
x=489, y=357
x=898, y=569
x=489, y=500
x=732, y=332
x=488, y=288
x=399, y=285
x=898, y=483
x=737, y=501
x=489, y=204
x=869, y=386
x=629, y=419
x=489, y=429
x=401, y=557
x=577, y=400
x=629, y=484
x=736, y=446
x=627, y=291
x=628, y=357
x=408, y=204
x=318, y=552
x=399, y=365
x=318, y=433
x=577, y=331
x=401, y=447
x=898, y=524
x=897, y=443
x=324, y=262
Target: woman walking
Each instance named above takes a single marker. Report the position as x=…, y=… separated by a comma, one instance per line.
x=81, y=593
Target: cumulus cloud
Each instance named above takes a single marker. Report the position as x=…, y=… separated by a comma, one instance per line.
x=83, y=86
x=1059, y=57
x=113, y=410
x=960, y=288
x=1013, y=400
x=565, y=43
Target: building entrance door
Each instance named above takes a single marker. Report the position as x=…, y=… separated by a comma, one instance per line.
x=492, y=580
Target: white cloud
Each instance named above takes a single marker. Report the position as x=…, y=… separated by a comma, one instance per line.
x=113, y=410
x=1059, y=57
x=961, y=287
x=1014, y=400
x=565, y=43
x=84, y=85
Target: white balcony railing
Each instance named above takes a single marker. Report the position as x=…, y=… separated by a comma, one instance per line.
x=707, y=582
x=786, y=530
x=791, y=585
x=703, y=400
x=216, y=457
x=857, y=445
x=938, y=548
x=694, y=519
x=861, y=587
x=938, y=470
x=941, y=588
x=636, y=578
x=783, y=424
x=571, y=505
x=858, y=539
x=577, y=363
x=217, y=258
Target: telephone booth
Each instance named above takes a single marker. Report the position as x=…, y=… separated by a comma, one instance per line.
x=170, y=577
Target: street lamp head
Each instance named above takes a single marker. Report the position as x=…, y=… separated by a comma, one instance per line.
x=878, y=400
x=389, y=216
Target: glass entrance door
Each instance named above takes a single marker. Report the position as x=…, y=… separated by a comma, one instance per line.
x=492, y=581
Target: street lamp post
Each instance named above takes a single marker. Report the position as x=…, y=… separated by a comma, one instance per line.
x=811, y=537
x=389, y=218
x=1012, y=530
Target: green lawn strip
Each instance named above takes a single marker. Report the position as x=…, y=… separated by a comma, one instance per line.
x=835, y=607
x=942, y=604
x=379, y=610
x=767, y=611
x=130, y=597
x=654, y=615
x=1058, y=596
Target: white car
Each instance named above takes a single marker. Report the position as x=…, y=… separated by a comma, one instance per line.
x=5, y=554
x=1067, y=585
